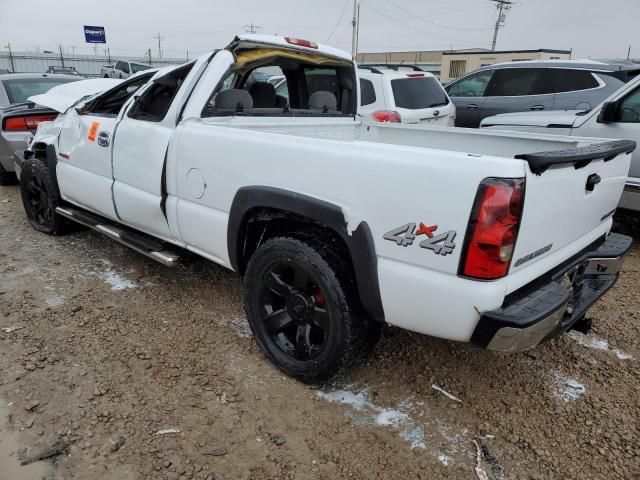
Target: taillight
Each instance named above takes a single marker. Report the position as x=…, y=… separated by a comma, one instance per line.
x=493, y=228
x=23, y=124
x=386, y=116
x=301, y=43
x=412, y=75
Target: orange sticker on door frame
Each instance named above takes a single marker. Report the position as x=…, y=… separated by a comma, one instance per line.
x=93, y=131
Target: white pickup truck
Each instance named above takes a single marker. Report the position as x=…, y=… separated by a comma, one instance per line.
x=122, y=69
x=336, y=225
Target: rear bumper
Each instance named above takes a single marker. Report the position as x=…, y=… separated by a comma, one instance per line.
x=551, y=306
x=631, y=195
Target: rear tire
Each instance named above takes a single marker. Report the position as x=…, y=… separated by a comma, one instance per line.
x=40, y=198
x=303, y=309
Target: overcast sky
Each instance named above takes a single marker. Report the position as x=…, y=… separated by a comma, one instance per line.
x=592, y=28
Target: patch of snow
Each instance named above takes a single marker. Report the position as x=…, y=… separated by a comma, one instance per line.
x=445, y=459
x=568, y=389
x=239, y=325
x=366, y=413
x=54, y=301
x=167, y=431
x=595, y=343
x=117, y=281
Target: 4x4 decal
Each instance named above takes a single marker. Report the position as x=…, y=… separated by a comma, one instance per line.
x=405, y=235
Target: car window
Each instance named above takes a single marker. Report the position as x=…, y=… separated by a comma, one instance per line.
x=282, y=90
x=119, y=65
x=138, y=67
x=125, y=67
x=419, y=92
x=154, y=103
x=295, y=96
x=367, y=92
x=110, y=103
x=19, y=89
x=629, y=109
x=566, y=80
x=517, y=82
x=474, y=85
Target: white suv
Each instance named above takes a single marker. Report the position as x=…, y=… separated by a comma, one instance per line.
x=406, y=94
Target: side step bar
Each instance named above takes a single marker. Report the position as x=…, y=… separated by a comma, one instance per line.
x=139, y=242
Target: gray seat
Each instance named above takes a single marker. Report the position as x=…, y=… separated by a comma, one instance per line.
x=323, y=101
x=263, y=94
x=234, y=99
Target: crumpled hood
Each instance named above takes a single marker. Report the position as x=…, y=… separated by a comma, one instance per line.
x=552, y=118
x=61, y=97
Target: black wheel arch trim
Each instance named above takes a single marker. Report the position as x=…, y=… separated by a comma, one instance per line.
x=360, y=243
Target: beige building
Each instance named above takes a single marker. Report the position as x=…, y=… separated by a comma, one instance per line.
x=449, y=65
x=457, y=64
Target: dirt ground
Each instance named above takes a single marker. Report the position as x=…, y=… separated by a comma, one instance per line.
x=135, y=371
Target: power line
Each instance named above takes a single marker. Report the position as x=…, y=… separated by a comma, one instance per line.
x=413, y=15
x=344, y=9
x=503, y=7
x=412, y=27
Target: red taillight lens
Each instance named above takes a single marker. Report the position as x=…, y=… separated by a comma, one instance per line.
x=493, y=228
x=386, y=116
x=412, y=75
x=300, y=42
x=24, y=124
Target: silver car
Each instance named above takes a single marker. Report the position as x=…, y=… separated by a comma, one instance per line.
x=19, y=118
x=534, y=86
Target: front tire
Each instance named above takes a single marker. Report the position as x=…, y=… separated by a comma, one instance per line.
x=40, y=198
x=303, y=309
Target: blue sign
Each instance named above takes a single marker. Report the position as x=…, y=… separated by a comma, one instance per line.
x=94, y=34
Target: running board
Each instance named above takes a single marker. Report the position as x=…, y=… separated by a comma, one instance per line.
x=139, y=242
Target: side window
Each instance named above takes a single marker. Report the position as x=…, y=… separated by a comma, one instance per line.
x=119, y=65
x=154, y=103
x=282, y=90
x=321, y=79
x=629, y=109
x=367, y=92
x=518, y=82
x=111, y=102
x=565, y=80
x=125, y=67
x=474, y=85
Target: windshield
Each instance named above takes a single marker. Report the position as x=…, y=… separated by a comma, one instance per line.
x=19, y=89
x=420, y=92
x=138, y=67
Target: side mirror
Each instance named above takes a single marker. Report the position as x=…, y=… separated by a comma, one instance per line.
x=608, y=112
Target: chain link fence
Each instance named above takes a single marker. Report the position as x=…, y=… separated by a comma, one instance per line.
x=85, y=65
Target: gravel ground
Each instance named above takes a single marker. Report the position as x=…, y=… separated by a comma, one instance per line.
x=133, y=371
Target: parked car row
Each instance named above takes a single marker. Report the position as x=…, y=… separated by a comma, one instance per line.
x=534, y=86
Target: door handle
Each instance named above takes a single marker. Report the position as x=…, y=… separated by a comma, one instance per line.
x=472, y=106
x=104, y=139
x=536, y=107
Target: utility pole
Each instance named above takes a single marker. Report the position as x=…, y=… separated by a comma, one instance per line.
x=251, y=28
x=503, y=7
x=148, y=53
x=629, y=53
x=354, y=30
x=13, y=68
x=61, y=56
x=357, y=32
x=160, y=38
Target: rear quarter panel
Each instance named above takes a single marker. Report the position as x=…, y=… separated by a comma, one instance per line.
x=385, y=185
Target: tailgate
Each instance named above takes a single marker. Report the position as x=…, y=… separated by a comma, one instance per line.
x=570, y=196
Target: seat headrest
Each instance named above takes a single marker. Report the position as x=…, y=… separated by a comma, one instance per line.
x=234, y=99
x=323, y=100
x=263, y=94
x=347, y=83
